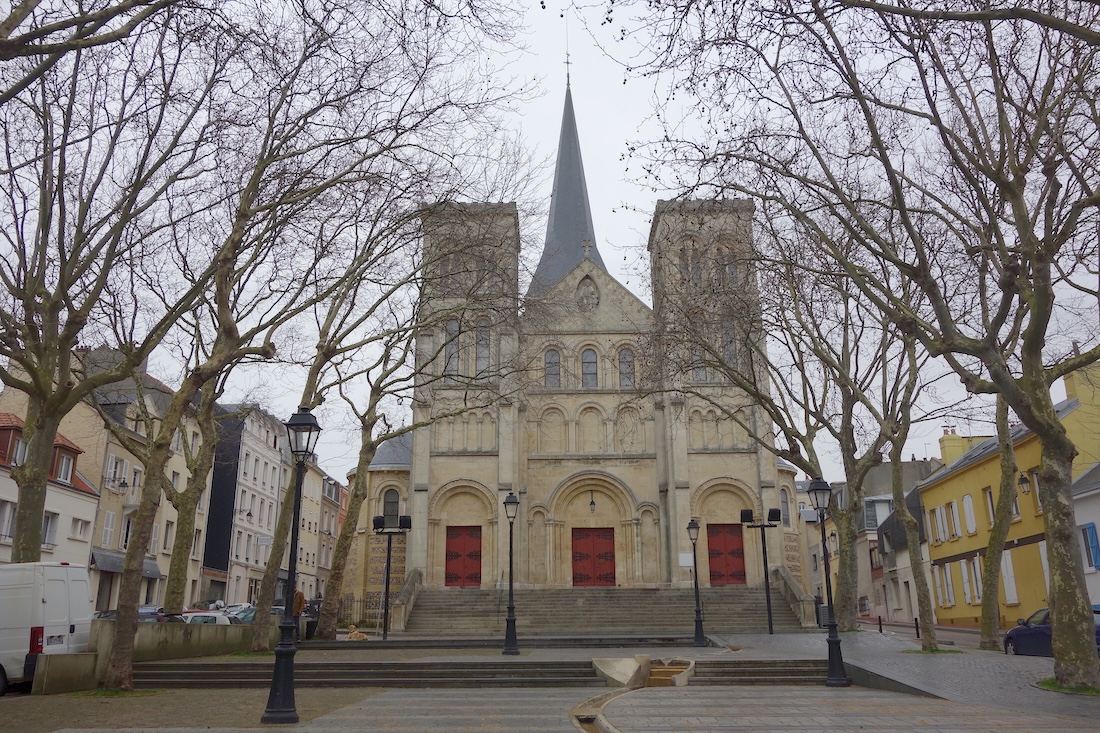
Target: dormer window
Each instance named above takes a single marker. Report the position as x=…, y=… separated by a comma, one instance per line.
x=19, y=454
x=65, y=468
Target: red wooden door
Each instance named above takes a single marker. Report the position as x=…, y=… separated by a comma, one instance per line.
x=726, y=551
x=463, y=568
x=594, y=556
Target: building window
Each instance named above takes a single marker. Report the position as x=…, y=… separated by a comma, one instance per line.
x=154, y=540
x=968, y=514
x=108, y=529
x=168, y=536
x=785, y=507
x=7, y=520
x=481, y=348
x=626, y=368
x=196, y=543
x=247, y=460
x=589, y=369
x=987, y=494
x=1091, y=545
x=49, y=530
x=699, y=367
x=19, y=455
x=80, y=528
x=124, y=536
x=65, y=468
x=450, y=347
x=391, y=507
x=551, y=369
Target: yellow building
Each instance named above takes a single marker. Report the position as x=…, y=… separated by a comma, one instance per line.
x=959, y=502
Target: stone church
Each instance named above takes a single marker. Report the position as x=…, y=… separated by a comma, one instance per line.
x=583, y=401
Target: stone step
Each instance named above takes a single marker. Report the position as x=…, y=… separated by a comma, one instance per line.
x=374, y=674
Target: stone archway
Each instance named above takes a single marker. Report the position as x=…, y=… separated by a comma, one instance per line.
x=453, y=514
x=733, y=550
x=593, y=514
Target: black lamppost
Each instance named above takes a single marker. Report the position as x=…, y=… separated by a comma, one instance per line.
x=302, y=430
x=773, y=517
x=693, y=535
x=820, y=494
x=382, y=526
x=511, y=645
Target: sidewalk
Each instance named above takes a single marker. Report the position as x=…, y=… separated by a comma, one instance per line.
x=966, y=691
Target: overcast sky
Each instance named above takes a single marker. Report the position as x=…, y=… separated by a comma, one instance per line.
x=609, y=114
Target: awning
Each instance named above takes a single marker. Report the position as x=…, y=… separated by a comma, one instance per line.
x=113, y=562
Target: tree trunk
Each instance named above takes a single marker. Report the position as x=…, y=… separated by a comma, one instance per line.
x=1002, y=517
x=185, y=505
x=40, y=431
x=1073, y=629
x=847, y=586
x=120, y=669
x=326, y=625
x=261, y=631
x=916, y=556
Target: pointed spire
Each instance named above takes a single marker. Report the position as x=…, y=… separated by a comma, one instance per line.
x=570, y=237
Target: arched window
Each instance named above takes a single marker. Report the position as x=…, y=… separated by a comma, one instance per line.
x=699, y=367
x=626, y=368
x=391, y=506
x=481, y=348
x=589, y=369
x=785, y=507
x=450, y=347
x=551, y=369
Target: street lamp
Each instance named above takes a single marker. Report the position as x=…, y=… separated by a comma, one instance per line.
x=820, y=495
x=1025, y=483
x=382, y=526
x=773, y=519
x=302, y=430
x=511, y=644
x=693, y=535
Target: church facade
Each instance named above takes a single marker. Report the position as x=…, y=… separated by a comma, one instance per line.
x=584, y=402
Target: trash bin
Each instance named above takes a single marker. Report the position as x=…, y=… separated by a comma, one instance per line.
x=311, y=628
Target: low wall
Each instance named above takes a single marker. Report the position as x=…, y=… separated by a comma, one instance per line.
x=57, y=673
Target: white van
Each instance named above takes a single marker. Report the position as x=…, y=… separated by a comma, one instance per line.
x=45, y=608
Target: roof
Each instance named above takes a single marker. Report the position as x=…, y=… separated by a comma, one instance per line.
x=1088, y=482
x=988, y=447
x=394, y=453
x=14, y=422
x=569, y=226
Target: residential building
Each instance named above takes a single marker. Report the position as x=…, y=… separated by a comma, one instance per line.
x=251, y=474
x=959, y=503
x=71, y=498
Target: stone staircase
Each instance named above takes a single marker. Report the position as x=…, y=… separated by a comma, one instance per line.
x=466, y=673
x=579, y=611
x=760, y=672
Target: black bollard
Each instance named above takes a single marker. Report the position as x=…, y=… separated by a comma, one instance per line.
x=916, y=625
x=880, y=624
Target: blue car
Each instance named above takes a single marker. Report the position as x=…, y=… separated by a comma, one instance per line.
x=1031, y=636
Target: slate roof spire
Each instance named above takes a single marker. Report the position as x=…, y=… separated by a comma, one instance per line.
x=570, y=236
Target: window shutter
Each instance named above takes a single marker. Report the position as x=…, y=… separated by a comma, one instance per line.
x=1008, y=578
x=956, y=525
x=968, y=512
x=948, y=586
x=939, y=584
x=1092, y=545
x=977, y=561
x=108, y=528
x=966, y=581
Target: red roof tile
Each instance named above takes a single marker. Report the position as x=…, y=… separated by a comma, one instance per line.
x=12, y=421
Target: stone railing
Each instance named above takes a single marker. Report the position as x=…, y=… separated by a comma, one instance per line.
x=403, y=604
x=801, y=602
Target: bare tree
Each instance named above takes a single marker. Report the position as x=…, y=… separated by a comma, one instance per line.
x=963, y=156
x=38, y=34
x=93, y=153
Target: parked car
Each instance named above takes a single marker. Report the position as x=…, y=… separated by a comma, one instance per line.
x=210, y=605
x=248, y=615
x=1032, y=636
x=235, y=608
x=146, y=614
x=210, y=617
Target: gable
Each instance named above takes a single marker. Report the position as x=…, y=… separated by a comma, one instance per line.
x=587, y=301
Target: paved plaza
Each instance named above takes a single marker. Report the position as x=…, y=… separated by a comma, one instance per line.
x=968, y=691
